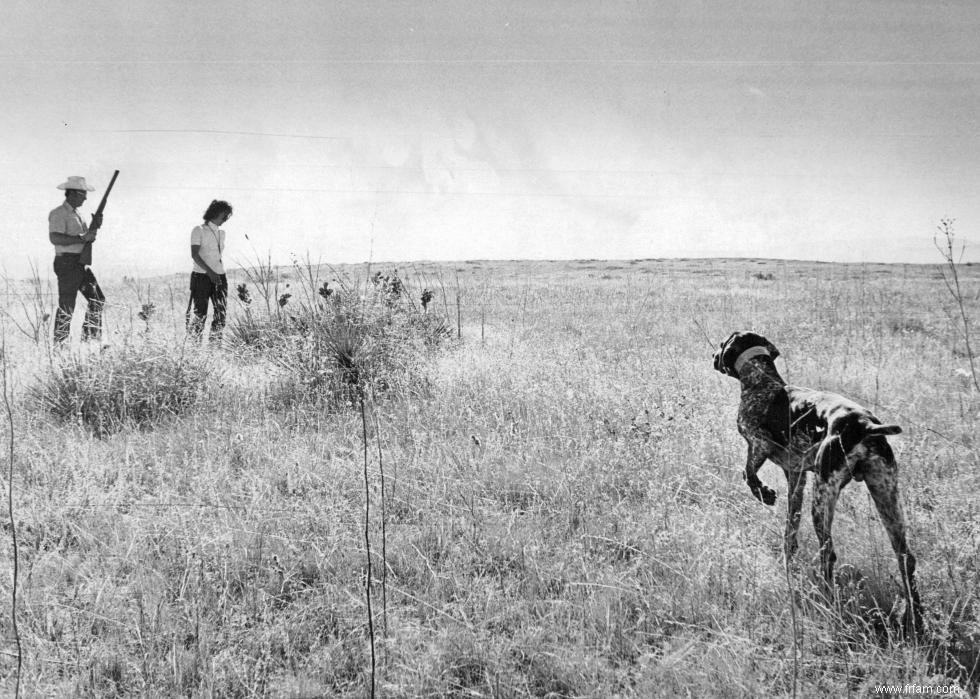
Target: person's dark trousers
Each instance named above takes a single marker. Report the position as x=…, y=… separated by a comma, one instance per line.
x=203, y=291
x=74, y=277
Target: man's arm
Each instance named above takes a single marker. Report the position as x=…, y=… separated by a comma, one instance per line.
x=196, y=256
x=57, y=225
x=64, y=239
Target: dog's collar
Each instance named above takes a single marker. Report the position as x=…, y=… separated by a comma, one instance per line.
x=748, y=354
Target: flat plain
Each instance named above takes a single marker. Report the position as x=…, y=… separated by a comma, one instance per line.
x=563, y=513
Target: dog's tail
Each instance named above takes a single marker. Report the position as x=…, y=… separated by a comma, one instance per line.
x=882, y=430
x=844, y=435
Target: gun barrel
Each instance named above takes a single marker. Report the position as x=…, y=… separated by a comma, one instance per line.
x=86, y=256
x=105, y=197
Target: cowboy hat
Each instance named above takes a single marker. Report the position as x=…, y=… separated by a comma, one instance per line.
x=76, y=182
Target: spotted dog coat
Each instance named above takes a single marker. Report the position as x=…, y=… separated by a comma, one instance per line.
x=800, y=430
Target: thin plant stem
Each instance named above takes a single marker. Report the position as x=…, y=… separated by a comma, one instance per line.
x=384, y=518
x=10, y=509
x=367, y=537
x=946, y=250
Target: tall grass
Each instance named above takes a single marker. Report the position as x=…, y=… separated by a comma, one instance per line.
x=564, y=513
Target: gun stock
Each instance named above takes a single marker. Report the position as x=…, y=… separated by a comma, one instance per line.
x=86, y=256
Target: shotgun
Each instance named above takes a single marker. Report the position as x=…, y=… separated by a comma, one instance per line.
x=86, y=256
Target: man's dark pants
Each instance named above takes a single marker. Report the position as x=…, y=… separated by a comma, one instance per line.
x=203, y=290
x=74, y=277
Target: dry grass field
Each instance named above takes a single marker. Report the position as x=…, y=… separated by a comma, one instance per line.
x=563, y=513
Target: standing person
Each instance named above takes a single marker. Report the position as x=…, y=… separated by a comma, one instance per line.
x=69, y=233
x=208, y=280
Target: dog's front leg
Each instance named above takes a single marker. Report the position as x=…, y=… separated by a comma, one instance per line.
x=754, y=460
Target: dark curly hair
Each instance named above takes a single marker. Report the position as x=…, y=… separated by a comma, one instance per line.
x=216, y=208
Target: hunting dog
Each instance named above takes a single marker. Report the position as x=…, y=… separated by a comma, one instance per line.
x=800, y=430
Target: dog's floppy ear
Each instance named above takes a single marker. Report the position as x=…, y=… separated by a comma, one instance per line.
x=719, y=356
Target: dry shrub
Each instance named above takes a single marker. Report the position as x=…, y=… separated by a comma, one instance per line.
x=333, y=345
x=132, y=385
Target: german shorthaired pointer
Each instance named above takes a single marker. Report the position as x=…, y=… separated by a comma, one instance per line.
x=802, y=430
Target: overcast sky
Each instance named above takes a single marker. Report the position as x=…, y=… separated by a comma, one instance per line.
x=520, y=129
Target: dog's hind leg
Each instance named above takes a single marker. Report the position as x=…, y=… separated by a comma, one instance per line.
x=825, y=494
x=753, y=461
x=882, y=481
x=795, y=484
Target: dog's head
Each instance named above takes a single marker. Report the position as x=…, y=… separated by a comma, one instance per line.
x=727, y=356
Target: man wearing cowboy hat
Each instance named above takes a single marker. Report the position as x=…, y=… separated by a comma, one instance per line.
x=69, y=234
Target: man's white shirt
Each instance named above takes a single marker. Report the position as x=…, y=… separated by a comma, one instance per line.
x=65, y=220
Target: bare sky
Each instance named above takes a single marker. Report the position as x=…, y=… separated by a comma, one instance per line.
x=520, y=129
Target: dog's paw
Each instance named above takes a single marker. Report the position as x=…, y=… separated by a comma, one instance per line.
x=764, y=494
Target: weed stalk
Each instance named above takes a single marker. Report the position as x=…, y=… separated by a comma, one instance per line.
x=367, y=535
x=384, y=518
x=944, y=240
x=10, y=508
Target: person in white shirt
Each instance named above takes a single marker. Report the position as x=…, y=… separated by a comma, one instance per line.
x=208, y=280
x=69, y=234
